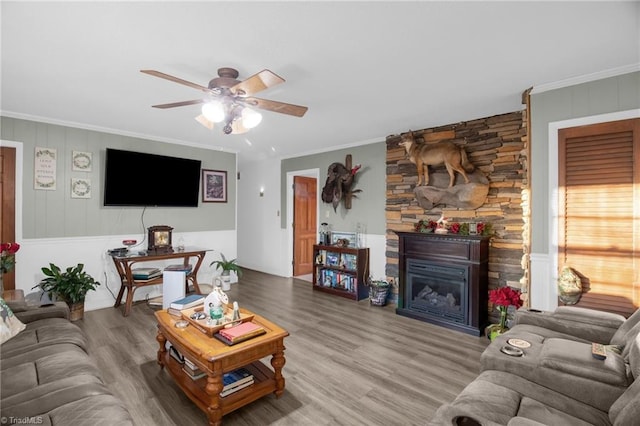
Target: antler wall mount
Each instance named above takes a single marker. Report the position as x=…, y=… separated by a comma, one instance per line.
x=340, y=179
x=229, y=101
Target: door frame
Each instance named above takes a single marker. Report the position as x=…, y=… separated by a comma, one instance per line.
x=548, y=294
x=19, y=147
x=314, y=173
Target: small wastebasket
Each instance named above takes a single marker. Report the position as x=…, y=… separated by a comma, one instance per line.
x=378, y=292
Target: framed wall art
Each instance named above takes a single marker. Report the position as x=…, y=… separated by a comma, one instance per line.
x=80, y=188
x=81, y=161
x=214, y=186
x=349, y=236
x=45, y=169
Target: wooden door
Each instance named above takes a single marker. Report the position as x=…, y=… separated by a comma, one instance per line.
x=305, y=232
x=599, y=208
x=8, y=205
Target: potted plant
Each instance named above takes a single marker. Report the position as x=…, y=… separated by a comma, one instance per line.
x=227, y=266
x=70, y=286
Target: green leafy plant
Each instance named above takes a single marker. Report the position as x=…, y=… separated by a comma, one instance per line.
x=227, y=265
x=71, y=285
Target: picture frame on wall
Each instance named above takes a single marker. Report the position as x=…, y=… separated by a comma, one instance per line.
x=214, y=186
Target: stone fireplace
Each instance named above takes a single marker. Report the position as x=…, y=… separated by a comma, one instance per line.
x=444, y=280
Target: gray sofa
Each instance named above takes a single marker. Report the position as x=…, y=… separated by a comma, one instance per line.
x=47, y=377
x=556, y=381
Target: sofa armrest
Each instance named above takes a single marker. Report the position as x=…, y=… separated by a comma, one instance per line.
x=33, y=313
x=523, y=421
x=588, y=324
x=450, y=414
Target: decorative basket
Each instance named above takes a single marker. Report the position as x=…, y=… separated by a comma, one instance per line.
x=378, y=291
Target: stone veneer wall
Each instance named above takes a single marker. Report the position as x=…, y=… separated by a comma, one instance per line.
x=498, y=147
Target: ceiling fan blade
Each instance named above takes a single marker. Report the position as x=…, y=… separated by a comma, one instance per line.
x=179, y=104
x=257, y=83
x=176, y=80
x=206, y=123
x=276, y=106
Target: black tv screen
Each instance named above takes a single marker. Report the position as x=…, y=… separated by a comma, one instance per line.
x=140, y=179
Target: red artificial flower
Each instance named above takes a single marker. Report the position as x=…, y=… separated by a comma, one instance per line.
x=479, y=227
x=7, y=256
x=9, y=248
x=454, y=228
x=505, y=296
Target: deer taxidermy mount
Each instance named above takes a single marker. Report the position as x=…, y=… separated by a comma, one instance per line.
x=340, y=179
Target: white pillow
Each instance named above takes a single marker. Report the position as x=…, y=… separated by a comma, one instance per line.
x=9, y=324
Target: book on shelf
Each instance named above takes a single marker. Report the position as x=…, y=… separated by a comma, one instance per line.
x=193, y=376
x=179, y=267
x=333, y=259
x=192, y=371
x=236, y=388
x=187, y=302
x=236, y=378
x=145, y=273
x=190, y=364
x=176, y=354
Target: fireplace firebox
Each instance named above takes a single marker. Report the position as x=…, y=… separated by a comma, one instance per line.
x=444, y=280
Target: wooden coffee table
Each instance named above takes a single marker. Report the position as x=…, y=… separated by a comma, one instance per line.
x=216, y=358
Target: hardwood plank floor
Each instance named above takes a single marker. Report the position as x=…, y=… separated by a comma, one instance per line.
x=347, y=363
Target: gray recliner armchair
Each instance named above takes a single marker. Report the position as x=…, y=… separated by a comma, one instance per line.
x=556, y=380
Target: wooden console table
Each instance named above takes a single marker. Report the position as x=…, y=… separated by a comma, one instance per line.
x=216, y=358
x=124, y=265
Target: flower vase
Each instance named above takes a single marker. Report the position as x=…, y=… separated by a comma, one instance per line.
x=495, y=330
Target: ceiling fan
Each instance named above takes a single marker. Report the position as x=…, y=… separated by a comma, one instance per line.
x=230, y=101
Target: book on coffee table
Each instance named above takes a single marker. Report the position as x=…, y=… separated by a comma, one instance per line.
x=239, y=333
x=236, y=388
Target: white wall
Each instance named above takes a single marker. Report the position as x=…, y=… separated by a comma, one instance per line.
x=262, y=244
x=92, y=252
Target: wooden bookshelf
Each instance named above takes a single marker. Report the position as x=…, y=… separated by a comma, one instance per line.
x=342, y=271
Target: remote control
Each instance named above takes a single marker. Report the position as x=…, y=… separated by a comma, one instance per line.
x=598, y=351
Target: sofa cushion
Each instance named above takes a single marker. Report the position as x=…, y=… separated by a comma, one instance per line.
x=562, y=365
x=87, y=403
x=496, y=397
x=544, y=414
x=44, y=332
x=575, y=359
x=45, y=370
x=10, y=325
x=622, y=336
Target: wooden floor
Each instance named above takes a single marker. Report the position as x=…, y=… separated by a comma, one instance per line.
x=347, y=363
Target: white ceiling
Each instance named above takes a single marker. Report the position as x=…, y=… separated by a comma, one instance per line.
x=365, y=69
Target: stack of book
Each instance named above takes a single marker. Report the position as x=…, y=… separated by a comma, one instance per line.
x=144, y=274
x=185, y=303
x=192, y=370
x=239, y=333
x=236, y=380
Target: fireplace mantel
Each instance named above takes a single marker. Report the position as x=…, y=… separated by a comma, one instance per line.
x=466, y=256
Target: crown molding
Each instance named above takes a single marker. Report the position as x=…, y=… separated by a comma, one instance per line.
x=84, y=126
x=613, y=72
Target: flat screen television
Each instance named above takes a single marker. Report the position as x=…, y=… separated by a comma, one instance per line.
x=140, y=179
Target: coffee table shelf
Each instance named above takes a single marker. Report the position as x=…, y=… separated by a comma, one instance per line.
x=216, y=358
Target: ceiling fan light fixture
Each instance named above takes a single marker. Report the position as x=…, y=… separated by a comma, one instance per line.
x=213, y=111
x=250, y=118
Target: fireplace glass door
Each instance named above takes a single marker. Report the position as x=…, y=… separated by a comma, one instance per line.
x=437, y=290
